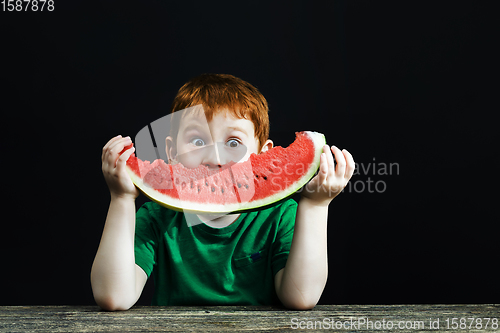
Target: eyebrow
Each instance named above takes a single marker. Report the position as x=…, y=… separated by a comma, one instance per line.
x=195, y=126
x=201, y=128
x=236, y=128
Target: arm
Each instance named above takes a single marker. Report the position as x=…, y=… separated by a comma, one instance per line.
x=117, y=282
x=300, y=284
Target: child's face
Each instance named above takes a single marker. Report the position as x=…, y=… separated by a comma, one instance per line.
x=225, y=138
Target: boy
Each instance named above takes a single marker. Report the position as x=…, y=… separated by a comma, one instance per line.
x=247, y=258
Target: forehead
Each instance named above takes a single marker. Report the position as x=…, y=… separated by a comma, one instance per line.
x=220, y=119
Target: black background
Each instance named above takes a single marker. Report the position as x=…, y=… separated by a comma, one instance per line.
x=391, y=81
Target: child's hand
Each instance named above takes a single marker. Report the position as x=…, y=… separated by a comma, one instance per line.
x=329, y=182
x=113, y=167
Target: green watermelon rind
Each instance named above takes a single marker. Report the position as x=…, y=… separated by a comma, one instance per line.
x=236, y=208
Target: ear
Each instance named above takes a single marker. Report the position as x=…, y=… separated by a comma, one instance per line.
x=171, y=150
x=267, y=145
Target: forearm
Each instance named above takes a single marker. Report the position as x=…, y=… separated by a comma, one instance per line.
x=306, y=271
x=113, y=272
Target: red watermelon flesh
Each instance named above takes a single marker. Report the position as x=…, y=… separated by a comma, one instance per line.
x=261, y=180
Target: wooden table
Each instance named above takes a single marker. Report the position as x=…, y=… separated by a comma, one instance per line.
x=341, y=318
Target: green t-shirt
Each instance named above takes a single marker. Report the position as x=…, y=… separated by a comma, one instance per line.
x=201, y=265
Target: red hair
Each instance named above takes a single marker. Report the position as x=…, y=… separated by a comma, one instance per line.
x=217, y=92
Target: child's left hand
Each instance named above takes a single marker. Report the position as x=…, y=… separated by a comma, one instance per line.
x=331, y=179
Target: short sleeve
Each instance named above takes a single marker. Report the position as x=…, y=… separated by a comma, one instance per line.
x=284, y=235
x=146, y=237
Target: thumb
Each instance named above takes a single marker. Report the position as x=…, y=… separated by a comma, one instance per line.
x=125, y=155
x=320, y=177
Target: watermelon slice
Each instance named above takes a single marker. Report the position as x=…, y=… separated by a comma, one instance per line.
x=260, y=181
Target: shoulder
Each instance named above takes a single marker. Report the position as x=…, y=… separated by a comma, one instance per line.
x=155, y=213
x=283, y=212
x=284, y=206
x=289, y=203
x=156, y=208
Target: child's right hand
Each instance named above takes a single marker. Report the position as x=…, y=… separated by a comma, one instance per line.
x=113, y=168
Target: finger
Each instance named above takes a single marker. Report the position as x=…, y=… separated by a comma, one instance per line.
x=105, y=148
x=112, y=140
x=320, y=178
x=115, y=149
x=341, y=163
x=330, y=162
x=113, y=146
x=323, y=169
x=122, y=160
x=349, y=171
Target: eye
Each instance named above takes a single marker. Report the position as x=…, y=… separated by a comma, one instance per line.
x=233, y=143
x=197, y=142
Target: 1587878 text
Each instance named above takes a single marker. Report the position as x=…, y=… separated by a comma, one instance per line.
x=28, y=5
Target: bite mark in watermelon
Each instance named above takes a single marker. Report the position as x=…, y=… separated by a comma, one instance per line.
x=260, y=181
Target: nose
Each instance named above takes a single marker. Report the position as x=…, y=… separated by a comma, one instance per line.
x=211, y=157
